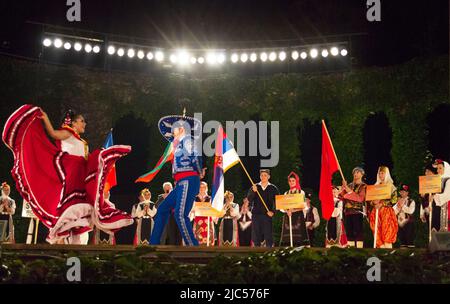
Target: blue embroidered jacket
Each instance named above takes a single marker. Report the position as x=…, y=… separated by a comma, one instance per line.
x=186, y=156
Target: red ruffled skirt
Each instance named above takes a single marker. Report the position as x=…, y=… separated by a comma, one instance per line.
x=64, y=191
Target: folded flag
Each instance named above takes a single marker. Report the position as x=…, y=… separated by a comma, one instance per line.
x=167, y=156
x=329, y=166
x=111, y=178
x=225, y=158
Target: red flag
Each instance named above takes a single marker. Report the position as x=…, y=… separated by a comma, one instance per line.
x=329, y=166
x=111, y=179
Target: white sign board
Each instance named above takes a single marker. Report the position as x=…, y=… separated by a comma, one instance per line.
x=27, y=211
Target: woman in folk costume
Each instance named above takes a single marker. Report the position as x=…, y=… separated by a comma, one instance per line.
x=62, y=182
x=354, y=197
x=335, y=232
x=299, y=233
x=99, y=236
x=201, y=222
x=440, y=206
x=228, y=229
x=245, y=224
x=387, y=220
x=144, y=213
x=7, y=210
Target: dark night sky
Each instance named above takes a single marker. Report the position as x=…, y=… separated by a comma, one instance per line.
x=408, y=28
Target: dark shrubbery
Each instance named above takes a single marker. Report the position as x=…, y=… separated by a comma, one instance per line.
x=335, y=266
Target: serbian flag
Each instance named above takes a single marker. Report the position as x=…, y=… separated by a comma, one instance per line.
x=111, y=179
x=167, y=156
x=225, y=158
x=329, y=166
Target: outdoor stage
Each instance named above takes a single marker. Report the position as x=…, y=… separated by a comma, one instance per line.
x=42, y=263
x=197, y=255
x=183, y=254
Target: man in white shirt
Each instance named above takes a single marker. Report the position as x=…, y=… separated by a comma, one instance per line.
x=404, y=209
x=312, y=217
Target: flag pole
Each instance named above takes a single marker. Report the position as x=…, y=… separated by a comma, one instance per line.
x=334, y=152
x=207, y=239
x=375, y=236
x=430, y=216
x=248, y=175
x=290, y=231
x=36, y=231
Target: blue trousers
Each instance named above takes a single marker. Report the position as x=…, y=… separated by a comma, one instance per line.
x=262, y=230
x=181, y=199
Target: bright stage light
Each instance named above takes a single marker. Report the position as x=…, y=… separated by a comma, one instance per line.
x=149, y=55
x=253, y=57
x=201, y=60
x=120, y=52
x=221, y=58
x=173, y=58
x=234, y=58
x=244, y=57
x=211, y=58
x=111, y=50
x=313, y=53
x=57, y=43
x=272, y=56
x=140, y=54
x=159, y=56
x=324, y=53
x=131, y=53
x=183, y=57
x=67, y=45
x=96, y=49
x=263, y=57
x=47, y=42
x=303, y=55
x=193, y=60
x=282, y=56
x=334, y=51
x=295, y=55
x=77, y=46
x=87, y=48
x=344, y=52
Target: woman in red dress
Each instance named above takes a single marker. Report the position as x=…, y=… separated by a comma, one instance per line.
x=62, y=182
x=201, y=222
x=387, y=224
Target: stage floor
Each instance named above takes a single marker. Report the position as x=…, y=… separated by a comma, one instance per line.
x=200, y=254
x=197, y=255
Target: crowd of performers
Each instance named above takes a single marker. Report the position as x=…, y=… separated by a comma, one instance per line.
x=65, y=187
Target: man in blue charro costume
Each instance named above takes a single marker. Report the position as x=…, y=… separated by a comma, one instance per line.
x=187, y=172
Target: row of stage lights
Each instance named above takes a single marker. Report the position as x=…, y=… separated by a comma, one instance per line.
x=183, y=57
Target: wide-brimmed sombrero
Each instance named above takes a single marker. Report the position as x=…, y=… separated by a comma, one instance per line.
x=166, y=124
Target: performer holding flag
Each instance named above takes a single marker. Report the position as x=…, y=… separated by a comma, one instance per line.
x=330, y=165
x=187, y=172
